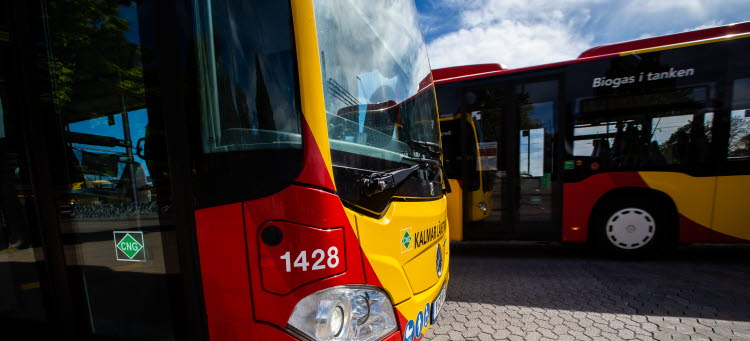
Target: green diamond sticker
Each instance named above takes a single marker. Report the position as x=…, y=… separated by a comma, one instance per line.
x=129, y=246
x=569, y=164
x=406, y=239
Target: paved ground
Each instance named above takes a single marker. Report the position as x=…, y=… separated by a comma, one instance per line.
x=533, y=291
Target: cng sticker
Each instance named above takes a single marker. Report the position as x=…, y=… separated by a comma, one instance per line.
x=407, y=242
x=129, y=246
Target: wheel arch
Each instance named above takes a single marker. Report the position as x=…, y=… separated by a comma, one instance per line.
x=652, y=196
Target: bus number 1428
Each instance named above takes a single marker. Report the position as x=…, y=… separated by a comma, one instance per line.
x=318, y=256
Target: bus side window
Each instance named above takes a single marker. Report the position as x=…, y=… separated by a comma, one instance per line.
x=739, y=124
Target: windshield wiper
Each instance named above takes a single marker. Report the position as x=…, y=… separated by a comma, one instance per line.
x=425, y=147
x=382, y=181
x=434, y=150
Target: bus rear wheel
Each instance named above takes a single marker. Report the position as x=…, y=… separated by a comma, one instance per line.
x=631, y=228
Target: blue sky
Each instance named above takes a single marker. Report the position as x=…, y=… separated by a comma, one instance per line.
x=521, y=33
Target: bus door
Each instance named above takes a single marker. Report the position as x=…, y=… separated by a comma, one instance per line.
x=531, y=160
x=504, y=157
x=477, y=156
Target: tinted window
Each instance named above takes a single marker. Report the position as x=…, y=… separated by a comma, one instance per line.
x=739, y=123
x=632, y=133
x=247, y=65
x=110, y=167
x=645, y=112
x=250, y=122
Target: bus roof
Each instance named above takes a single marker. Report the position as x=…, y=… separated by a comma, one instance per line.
x=714, y=32
x=467, y=72
x=457, y=71
x=464, y=72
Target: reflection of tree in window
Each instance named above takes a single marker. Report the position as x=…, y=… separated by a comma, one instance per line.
x=93, y=55
x=688, y=141
x=739, y=134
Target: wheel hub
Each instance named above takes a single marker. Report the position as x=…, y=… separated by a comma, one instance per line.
x=630, y=228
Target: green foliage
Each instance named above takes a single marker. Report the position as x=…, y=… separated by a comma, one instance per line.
x=89, y=53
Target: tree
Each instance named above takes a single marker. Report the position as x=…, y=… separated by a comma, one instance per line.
x=739, y=137
x=94, y=67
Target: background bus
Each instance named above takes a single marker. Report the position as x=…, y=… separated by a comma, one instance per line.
x=632, y=146
x=167, y=171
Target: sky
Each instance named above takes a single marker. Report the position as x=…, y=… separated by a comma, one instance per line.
x=519, y=33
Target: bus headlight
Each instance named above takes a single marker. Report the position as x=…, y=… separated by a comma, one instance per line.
x=344, y=313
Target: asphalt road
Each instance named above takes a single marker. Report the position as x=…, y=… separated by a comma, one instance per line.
x=549, y=291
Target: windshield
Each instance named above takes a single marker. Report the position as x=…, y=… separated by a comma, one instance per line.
x=377, y=81
x=380, y=103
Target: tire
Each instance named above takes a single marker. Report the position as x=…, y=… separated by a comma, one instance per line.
x=632, y=227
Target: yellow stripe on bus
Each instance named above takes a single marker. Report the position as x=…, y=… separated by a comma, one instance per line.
x=29, y=286
x=681, y=45
x=310, y=74
x=693, y=196
x=731, y=214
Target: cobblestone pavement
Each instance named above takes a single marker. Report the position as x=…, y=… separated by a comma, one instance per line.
x=534, y=291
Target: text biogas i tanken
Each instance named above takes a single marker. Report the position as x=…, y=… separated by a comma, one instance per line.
x=642, y=77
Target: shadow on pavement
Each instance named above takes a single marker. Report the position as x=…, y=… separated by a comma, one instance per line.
x=700, y=281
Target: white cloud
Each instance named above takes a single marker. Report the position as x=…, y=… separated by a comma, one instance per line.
x=709, y=24
x=530, y=32
x=508, y=42
x=515, y=33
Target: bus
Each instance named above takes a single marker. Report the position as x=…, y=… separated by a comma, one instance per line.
x=632, y=147
x=219, y=169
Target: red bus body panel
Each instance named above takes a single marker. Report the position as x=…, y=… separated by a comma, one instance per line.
x=247, y=291
x=470, y=76
x=468, y=72
x=579, y=199
x=458, y=71
x=714, y=32
x=242, y=284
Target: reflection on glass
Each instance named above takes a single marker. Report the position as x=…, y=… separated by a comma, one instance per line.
x=536, y=112
x=536, y=132
x=376, y=77
x=110, y=183
x=532, y=152
x=111, y=174
x=739, y=124
x=674, y=132
x=662, y=140
x=247, y=80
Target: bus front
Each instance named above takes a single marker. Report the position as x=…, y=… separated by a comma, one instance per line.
x=345, y=236
x=384, y=141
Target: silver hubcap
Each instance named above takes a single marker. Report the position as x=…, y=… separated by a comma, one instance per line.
x=630, y=228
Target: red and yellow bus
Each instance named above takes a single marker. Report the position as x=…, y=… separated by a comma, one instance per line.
x=632, y=146
x=223, y=169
